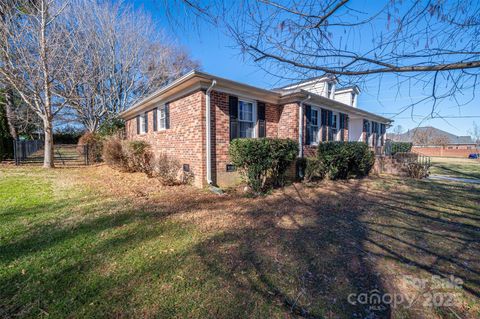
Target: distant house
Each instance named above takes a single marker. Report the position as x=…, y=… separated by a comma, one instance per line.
x=431, y=141
x=194, y=118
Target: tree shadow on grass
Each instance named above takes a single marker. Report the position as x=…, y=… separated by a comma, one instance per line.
x=301, y=252
x=300, y=262
x=459, y=173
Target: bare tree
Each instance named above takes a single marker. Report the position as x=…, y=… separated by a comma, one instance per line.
x=429, y=44
x=397, y=130
x=21, y=119
x=429, y=136
x=475, y=133
x=36, y=59
x=124, y=57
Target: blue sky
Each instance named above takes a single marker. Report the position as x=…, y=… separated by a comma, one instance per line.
x=217, y=55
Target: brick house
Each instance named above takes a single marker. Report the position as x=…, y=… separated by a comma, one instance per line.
x=200, y=112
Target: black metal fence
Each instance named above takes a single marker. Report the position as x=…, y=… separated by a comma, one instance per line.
x=23, y=149
x=30, y=152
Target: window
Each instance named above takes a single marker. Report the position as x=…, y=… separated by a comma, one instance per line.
x=162, y=117
x=334, y=129
x=313, y=127
x=330, y=90
x=143, y=123
x=246, y=119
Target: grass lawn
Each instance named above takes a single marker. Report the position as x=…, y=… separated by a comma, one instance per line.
x=92, y=242
x=456, y=167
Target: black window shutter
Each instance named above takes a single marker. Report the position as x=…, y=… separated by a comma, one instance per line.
x=261, y=119
x=329, y=118
x=145, y=116
x=308, y=115
x=365, y=125
x=324, y=117
x=324, y=124
x=233, y=113
x=155, y=118
x=167, y=115
x=138, y=124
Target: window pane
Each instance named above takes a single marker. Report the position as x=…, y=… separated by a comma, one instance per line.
x=142, y=123
x=314, y=117
x=161, y=117
x=246, y=129
x=245, y=111
x=313, y=133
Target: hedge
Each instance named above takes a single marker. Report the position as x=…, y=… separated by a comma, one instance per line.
x=342, y=160
x=263, y=160
x=400, y=147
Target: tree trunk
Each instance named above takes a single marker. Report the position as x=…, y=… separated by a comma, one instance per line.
x=10, y=114
x=47, y=120
x=48, y=151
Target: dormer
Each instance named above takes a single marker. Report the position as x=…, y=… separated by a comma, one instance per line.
x=324, y=86
x=348, y=95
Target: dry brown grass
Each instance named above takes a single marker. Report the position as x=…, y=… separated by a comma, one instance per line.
x=384, y=229
x=302, y=250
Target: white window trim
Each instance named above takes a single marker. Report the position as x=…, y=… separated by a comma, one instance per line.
x=332, y=92
x=353, y=99
x=143, y=119
x=254, y=115
x=319, y=124
x=337, y=126
x=159, y=118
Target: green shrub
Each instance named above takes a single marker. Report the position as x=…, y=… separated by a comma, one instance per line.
x=400, y=147
x=263, y=158
x=111, y=126
x=341, y=160
x=314, y=169
x=67, y=135
x=282, y=153
x=6, y=140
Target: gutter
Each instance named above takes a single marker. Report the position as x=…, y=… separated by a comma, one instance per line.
x=300, y=126
x=208, y=126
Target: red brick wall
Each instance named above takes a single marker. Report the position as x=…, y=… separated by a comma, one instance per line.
x=185, y=139
x=345, y=134
x=288, y=121
x=462, y=151
x=221, y=135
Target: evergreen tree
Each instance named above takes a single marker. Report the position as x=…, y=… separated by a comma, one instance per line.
x=6, y=140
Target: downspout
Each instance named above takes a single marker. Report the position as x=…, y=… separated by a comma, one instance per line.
x=208, y=126
x=300, y=127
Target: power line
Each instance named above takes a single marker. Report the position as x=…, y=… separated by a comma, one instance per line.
x=435, y=117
